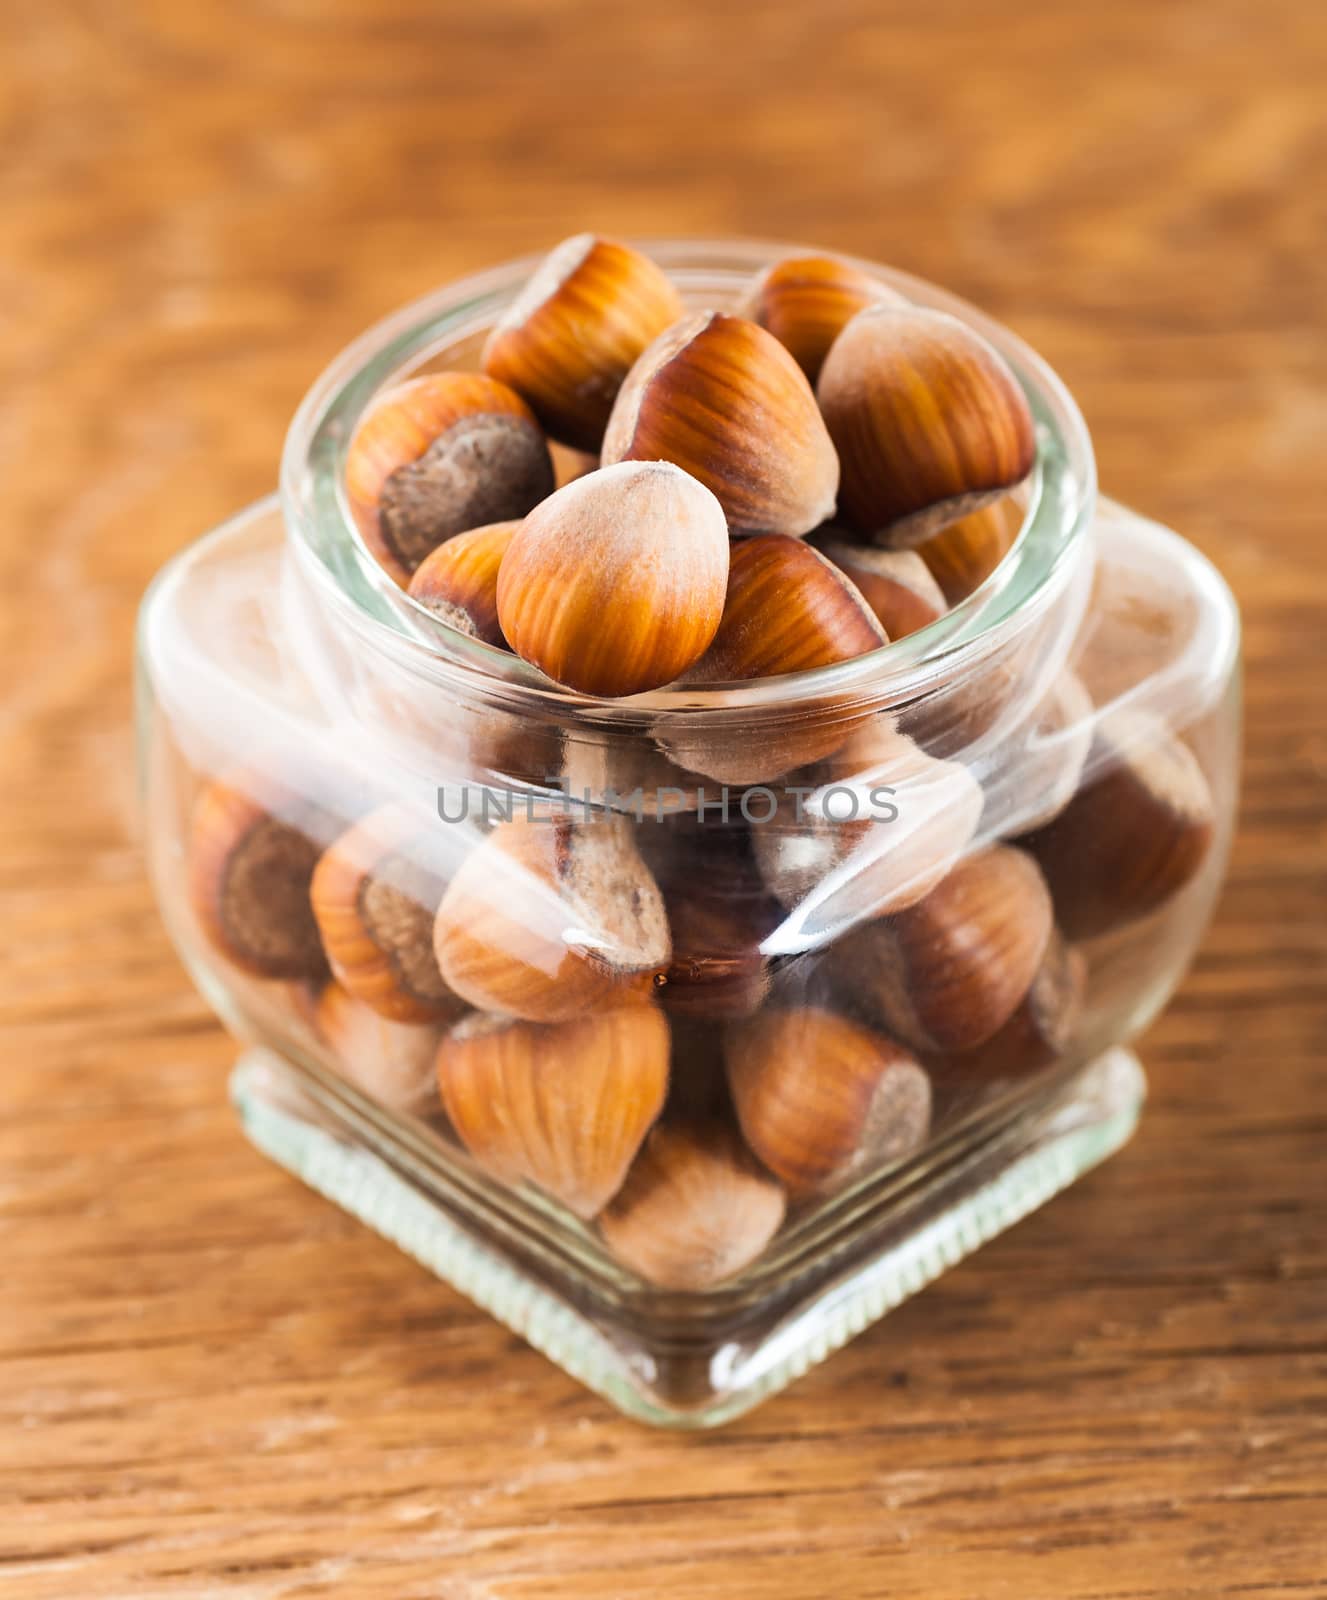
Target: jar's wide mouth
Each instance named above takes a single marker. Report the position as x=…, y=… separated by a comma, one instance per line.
x=1060, y=499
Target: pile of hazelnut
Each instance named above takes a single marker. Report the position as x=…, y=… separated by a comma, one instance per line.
x=590, y=1003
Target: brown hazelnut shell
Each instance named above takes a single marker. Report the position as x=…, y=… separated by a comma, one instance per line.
x=375, y=893
x=807, y=301
x=821, y=1099
x=696, y=1208
x=948, y=973
x=787, y=609
x=615, y=584
x=896, y=584
x=1136, y=833
x=570, y=338
x=438, y=455
x=961, y=556
x=1043, y=1025
x=563, y=1106
x=725, y=401
x=549, y=918
x=391, y=1061
x=458, y=582
x=249, y=874
x=928, y=421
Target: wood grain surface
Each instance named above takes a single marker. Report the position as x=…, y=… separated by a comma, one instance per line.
x=213, y=1384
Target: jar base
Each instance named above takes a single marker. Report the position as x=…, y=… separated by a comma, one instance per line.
x=699, y=1381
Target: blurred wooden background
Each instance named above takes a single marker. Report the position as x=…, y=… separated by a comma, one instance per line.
x=216, y=1385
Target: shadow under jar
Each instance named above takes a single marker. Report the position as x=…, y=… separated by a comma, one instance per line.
x=808, y=986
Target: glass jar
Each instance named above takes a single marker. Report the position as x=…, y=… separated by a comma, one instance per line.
x=763, y=1004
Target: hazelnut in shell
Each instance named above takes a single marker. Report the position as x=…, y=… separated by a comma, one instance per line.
x=787, y=609
x=718, y=969
x=552, y=917
x=964, y=554
x=440, y=454
x=896, y=584
x=391, y=1061
x=948, y=973
x=1136, y=833
x=696, y=1208
x=928, y=421
x=724, y=400
x=564, y=1106
x=249, y=873
x=571, y=336
x=807, y=301
x=821, y=1099
x=615, y=584
x=458, y=582
x=1042, y=1027
x=375, y=894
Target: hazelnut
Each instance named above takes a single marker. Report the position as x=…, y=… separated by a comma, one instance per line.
x=563, y=1106
x=391, y=1061
x=569, y=339
x=948, y=973
x=249, y=876
x=962, y=556
x=375, y=893
x=1040, y=1030
x=551, y=917
x=821, y=1099
x=928, y=421
x=879, y=825
x=438, y=455
x=458, y=582
x=807, y=301
x=1134, y=835
x=896, y=584
x=787, y=609
x=696, y=1208
x=723, y=399
x=615, y=584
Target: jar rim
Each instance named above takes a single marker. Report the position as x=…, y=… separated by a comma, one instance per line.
x=330, y=550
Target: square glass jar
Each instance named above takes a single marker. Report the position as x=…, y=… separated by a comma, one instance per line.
x=917, y=904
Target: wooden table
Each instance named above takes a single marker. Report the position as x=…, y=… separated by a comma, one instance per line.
x=214, y=1384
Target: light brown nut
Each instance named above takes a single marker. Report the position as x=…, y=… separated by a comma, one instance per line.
x=696, y=1208
x=248, y=878
x=569, y=339
x=440, y=454
x=564, y=1106
x=391, y=1061
x=896, y=584
x=949, y=972
x=928, y=421
x=807, y=301
x=724, y=400
x=458, y=582
x=1136, y=833
x=552, y=917
x=615, y=584
x=821, y=1099
x=375, y=894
